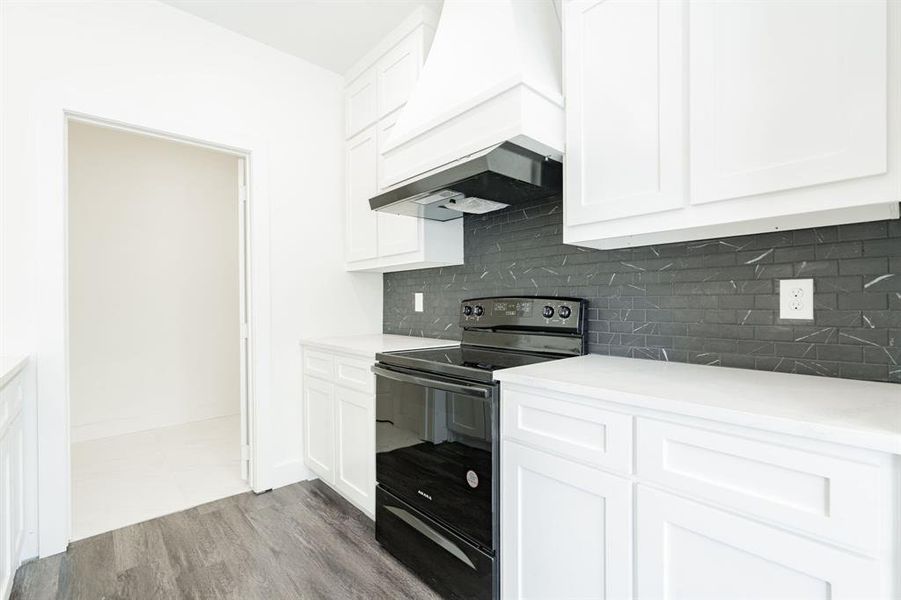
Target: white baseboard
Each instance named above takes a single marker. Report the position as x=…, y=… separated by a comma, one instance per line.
x=288, y=472
x=114, y=427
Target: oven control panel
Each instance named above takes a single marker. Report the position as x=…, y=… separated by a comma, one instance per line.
x=518, y=312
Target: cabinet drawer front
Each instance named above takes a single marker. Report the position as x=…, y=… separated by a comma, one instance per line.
x=354, y=373
x=586, y=433
x=823, y=495
x=318, y=364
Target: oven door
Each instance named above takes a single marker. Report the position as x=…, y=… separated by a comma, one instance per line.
x=436, y=447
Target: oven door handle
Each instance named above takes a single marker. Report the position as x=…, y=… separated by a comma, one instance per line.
x=447, y=386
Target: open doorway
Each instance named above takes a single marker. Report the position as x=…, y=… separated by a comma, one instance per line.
x=157, y=342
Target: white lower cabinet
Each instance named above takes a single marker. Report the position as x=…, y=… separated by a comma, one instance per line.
x=566, y=528
x=319, y=427
x=355, y=433
x=688, y=550
x=12, y=485
x=712, y=511
x=339, y=424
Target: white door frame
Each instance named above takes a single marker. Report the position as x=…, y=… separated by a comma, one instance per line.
x=244, y=272
x=52, y=351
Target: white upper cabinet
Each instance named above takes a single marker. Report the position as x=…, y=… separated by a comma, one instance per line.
x=397, y=72
x=397, y=234
x=361, y=177
x=360, y=109
x=693, y=119
x=377, y=91
x=785, y=95
x=624, y=111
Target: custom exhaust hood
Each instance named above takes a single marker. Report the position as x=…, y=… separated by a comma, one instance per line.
x=483, y=128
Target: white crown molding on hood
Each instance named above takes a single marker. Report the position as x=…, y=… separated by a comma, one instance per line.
x=493, y=75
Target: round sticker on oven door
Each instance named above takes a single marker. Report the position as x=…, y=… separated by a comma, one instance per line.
x=472, y=479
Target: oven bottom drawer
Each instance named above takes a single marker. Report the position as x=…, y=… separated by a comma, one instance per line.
x=446, y=562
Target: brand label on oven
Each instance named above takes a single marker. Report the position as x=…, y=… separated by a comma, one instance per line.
x=472, y=479
x=424, y=495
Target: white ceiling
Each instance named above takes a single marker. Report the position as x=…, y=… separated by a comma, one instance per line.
x=330, y=33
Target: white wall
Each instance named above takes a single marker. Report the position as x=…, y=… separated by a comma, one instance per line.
x=152, y=66
x=154, y=313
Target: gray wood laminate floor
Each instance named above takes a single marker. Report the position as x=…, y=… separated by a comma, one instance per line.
x=300, y=541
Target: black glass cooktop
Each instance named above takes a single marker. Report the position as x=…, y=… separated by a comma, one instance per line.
x=463, y=361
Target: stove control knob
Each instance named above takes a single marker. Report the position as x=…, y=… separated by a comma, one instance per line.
x=467, y=310
x=565, y=312
x=479, y=311
x=547, y=312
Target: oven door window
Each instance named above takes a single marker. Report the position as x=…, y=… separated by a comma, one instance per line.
x=434, y=450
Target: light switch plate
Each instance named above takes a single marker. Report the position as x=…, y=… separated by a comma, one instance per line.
x=796, y=299
x=417, y=301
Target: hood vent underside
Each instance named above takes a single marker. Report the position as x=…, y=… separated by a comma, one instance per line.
x=504, y=175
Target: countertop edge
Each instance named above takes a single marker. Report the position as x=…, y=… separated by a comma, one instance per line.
x=332, y=345
x=868, y=440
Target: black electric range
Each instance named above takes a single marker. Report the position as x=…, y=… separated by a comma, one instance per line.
x=437, y=440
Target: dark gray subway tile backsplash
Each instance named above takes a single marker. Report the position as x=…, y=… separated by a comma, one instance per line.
x=711, y=302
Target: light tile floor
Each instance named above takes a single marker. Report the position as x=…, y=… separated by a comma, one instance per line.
x=126, y=479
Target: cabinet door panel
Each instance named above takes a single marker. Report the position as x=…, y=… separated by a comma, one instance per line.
x=785, y=94
x=623, y=77
x=361, y=175
x=688, y=550
x=355, y=428
x=6, y=524
x=319, y=427
x=17, y=488
x=397, y=73
x=566, y=528
x=360, y=103
x=397, y=234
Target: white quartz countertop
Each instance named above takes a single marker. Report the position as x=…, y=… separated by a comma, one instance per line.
x=369, y=345
x=9, y=366
x=856, y=413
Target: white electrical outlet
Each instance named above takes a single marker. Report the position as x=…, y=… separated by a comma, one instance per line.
x=796, y=299
x=417, y=301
